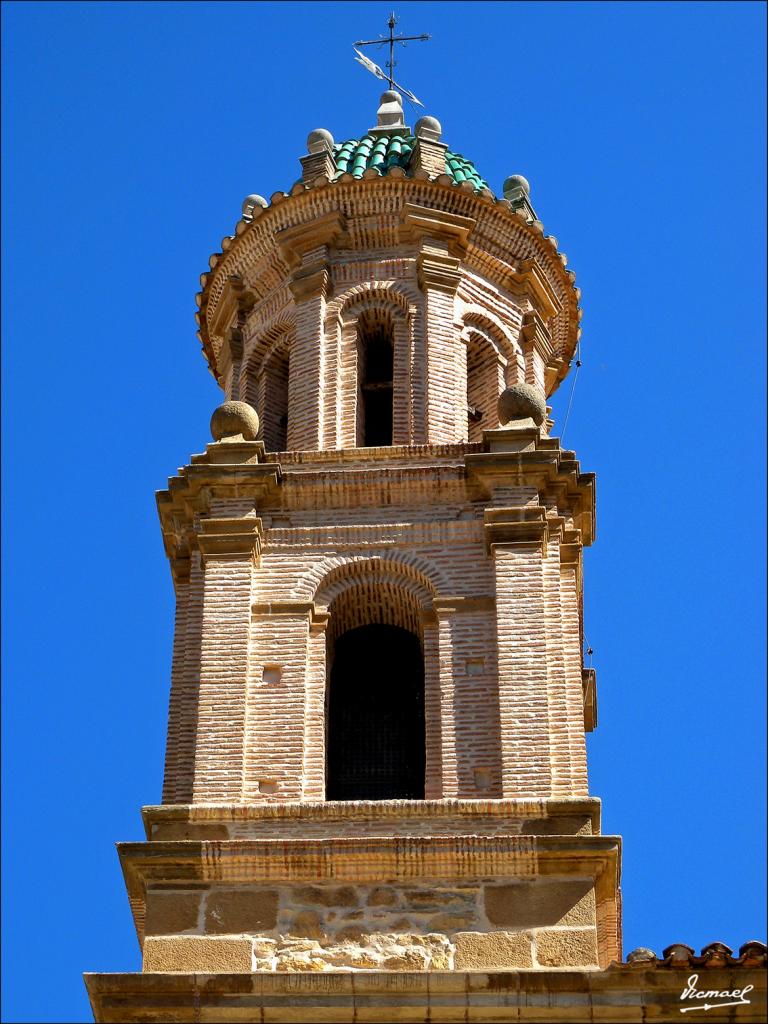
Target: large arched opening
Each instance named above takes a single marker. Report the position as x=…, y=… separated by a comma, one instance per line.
x=375, y=727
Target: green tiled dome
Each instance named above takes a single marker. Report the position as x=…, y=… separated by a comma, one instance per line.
x=357, y=155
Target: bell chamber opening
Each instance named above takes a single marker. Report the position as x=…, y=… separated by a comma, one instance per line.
x=375, y=355
x=375, y=716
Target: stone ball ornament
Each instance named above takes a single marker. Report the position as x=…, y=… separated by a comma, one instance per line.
x=428, y=128
x=318, y=140
x=232, y=419
x=515, y=181
x=521, y=402
x=251, y=202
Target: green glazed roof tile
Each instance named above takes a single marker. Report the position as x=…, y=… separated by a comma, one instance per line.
x=357, y=155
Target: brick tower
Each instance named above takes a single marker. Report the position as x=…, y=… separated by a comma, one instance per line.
x=375, y=781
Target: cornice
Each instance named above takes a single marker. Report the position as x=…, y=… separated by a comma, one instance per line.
x=366, y=859
x=293, y=218
x=233, y=472
x=522, y=808
x=543, y=465
x=227, y=470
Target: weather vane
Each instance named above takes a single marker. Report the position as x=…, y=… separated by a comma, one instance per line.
x=381, y=41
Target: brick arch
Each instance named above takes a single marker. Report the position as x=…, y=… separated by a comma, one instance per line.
x=278, y=334
x=389, y=293
x=329, y=577
x=491, y=326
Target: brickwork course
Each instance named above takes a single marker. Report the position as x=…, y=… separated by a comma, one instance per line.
x=373, y=317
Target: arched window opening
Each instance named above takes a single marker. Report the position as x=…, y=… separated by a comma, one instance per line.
x=483, y=387
x=376, y=716
x=275, y=407
x=375, y=384
x=375, y=727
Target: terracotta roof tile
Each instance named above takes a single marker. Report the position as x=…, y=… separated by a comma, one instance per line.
x=715, y=955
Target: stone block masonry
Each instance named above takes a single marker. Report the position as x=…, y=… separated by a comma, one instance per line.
x=434, y=925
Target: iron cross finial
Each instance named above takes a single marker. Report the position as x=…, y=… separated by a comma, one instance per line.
x=391, y=39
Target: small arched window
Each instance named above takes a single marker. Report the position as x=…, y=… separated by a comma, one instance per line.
x=275, y=405
x=375, y=359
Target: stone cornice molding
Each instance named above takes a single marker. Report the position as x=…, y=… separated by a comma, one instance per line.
x=367, y=859
x=546, y=467
x=254, y=240
x=189, y=494
x=334, y=811
x=631, y=992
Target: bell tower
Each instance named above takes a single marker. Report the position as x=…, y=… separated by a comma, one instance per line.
x=376, y=780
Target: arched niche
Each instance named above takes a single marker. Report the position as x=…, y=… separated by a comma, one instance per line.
x=265, y=384
x=493, y=360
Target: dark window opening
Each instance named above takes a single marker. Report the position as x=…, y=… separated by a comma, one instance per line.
x=375, y=726
x=276, y=374
x=375, y=368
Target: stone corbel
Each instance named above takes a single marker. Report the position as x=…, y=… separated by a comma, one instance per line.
x=230, y=539
x=310, y=280
x=297, y=241
x=535, y=335
x=513, y=527
x=571, y=547
x=438, y=271
x=420, y=222
x=177, y=549
x=529, y=276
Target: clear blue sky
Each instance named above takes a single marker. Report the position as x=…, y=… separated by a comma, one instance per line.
x=131, y=134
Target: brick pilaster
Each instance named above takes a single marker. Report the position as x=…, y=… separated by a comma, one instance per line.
x=228, y=548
